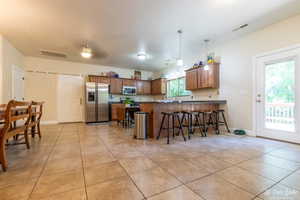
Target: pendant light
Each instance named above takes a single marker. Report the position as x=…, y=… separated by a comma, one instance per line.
x=206, y=41
x=179, y=59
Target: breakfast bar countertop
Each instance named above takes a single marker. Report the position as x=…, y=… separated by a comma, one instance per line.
x=178, y=101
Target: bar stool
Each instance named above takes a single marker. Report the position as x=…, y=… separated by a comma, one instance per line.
x=219, y=122
x=173, y=116
x=209, y=120
x=192, y=120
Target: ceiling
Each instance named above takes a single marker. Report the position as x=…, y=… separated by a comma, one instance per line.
x=117, y=30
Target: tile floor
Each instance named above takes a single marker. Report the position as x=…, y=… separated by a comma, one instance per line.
x=103, y=162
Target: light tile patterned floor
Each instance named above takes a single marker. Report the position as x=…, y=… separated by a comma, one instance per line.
x=103, y=162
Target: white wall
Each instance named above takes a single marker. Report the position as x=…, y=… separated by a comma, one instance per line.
x=43, y=86
x=9, y=56
x=237, y=67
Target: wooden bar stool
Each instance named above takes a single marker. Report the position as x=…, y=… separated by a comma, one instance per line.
x=173, y=116
x=220, y=122
x=209, y=120
x=192, y=120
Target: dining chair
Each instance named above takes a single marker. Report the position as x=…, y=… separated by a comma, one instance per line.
x=36, y=115
x=19, y=112
x=2, y=110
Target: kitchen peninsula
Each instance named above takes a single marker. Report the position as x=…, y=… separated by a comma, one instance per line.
x=155, y=108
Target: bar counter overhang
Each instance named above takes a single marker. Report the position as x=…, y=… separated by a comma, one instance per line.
x=156, y=108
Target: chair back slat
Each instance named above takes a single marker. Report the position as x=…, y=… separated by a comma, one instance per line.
x=17, y=112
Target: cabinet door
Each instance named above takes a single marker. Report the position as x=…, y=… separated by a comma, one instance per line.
x=155, y=87
x=146, y=87
x=139, y=87
x=127, y=82
x=114, y=111
x=191, y=79
x=116, y=86
x=105, y=80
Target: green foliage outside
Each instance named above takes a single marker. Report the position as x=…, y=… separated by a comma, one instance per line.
x=176, y=88
x=280, y=82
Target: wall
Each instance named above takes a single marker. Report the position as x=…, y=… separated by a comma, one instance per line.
x=9, y=56
x=237, y=67
x=43, y=86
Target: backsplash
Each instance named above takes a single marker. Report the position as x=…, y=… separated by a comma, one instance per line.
x=116, y=98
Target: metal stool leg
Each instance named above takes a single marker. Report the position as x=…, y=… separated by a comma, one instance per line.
x=168, y=124
x=225, y=122
x=161, y=127
x=180, y=127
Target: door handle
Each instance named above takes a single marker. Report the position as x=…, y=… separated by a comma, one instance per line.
x=80, y=101
x=258, y=101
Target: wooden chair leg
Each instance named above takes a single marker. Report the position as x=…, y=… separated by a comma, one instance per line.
x=3, y=160
x=26, y=139
x=39, y=130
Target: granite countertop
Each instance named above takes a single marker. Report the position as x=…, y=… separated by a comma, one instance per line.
x=178, y=101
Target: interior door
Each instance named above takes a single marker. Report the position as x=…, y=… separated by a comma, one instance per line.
x=70, y=92
x=277, y=95
x=18, y=76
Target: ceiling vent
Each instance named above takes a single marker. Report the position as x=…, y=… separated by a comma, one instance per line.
x=52, y=54
x=240, y=27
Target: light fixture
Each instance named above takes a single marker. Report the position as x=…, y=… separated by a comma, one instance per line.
x=179, y=59
x=141, y=56
x=86, y=52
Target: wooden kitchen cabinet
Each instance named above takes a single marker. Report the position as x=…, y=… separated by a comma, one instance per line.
x=159, y=86
x=114, y=110
x=99, y=79
x=191, y=79
x=103, y=79
x=129, y=82
x=200, y=78
x=143, y=87
x=116, y=86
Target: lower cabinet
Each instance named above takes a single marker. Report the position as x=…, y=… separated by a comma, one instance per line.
x=114, y=110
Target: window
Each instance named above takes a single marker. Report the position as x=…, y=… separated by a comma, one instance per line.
x=176, y=88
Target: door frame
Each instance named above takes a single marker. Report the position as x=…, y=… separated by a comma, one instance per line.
x=13, y=69
x=255, y=89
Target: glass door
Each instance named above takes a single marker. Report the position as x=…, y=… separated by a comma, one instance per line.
x=277, y=96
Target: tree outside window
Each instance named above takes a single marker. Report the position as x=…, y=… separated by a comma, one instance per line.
x=176, y=88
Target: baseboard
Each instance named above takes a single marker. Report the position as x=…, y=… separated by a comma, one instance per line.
x=248, y=132
x=49, y=122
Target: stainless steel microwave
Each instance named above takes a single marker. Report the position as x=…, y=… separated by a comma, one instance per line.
x=129, y=90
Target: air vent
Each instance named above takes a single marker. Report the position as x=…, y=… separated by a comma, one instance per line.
x=52, y=54
x=240, y=27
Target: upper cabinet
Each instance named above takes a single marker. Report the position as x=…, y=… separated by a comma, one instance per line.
x=116, y=86
x=203, y=77
x=99, y=79
x=191, y=79
x=129, y=82
x=159, y=86
x=143, y=87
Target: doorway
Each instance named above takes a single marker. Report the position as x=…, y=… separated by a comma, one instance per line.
x=70, y=102
x=277, y=91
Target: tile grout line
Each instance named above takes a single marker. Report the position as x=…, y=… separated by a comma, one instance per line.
x=82, y=165
x=123, y=169
x=33, y=188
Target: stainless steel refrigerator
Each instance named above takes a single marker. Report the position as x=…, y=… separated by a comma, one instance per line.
x=96, y=102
